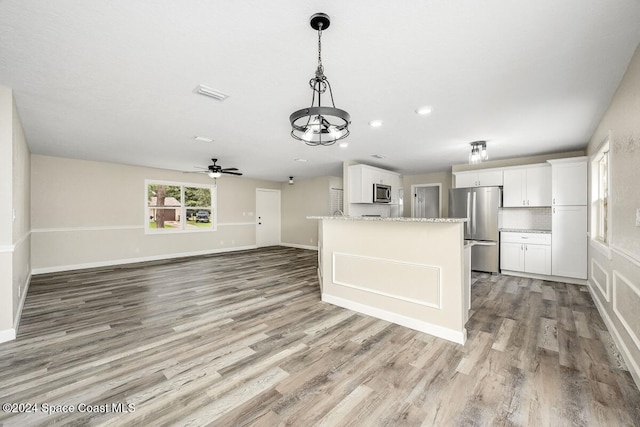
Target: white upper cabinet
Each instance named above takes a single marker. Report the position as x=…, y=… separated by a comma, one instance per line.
x=527, y=186
x=483, y=178
x=569, y=181
x=362, y=178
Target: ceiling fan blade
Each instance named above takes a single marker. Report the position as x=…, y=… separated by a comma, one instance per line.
x=231, y=173
x=230, y=169
x=195, y=172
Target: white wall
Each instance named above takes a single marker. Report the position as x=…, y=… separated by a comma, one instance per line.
x=15, y=251
x=305, y=198
x=614, y=275
x=6, y=228
x=87, y=213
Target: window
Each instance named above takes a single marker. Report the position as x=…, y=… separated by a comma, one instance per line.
x=600, y=195
x=176, y=207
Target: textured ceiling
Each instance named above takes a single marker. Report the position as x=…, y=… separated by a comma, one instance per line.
x=114, y=80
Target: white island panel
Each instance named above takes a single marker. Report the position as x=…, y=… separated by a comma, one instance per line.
x=407, y=272
x=412, y=282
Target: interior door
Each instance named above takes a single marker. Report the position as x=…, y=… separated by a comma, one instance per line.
x=267, y=217
x=426, y=202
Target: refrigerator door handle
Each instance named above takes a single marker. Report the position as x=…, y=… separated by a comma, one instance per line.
x=468, y=224
x=473, y=218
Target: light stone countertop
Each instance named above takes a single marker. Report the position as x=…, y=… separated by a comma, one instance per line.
x=398, y=219
x=522, y=230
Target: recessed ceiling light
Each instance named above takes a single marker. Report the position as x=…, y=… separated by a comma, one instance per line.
x=378, y=156
x=423, y=111
x=211, y=93
x=203, y=139
x=301, y=160
x=375, y=123
x=344, y=144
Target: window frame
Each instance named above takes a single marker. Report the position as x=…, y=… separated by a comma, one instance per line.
x=183, y=208
x=600, y=231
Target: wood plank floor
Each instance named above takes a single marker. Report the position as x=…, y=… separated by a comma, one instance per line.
x=243, y=339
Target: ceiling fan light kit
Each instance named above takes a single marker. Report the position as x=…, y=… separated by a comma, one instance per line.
x=317, y=124
x=216, y=171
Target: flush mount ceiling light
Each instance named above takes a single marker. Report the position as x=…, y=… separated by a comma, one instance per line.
x=318, y=125
x=478, y=152
x=211, y=93
x=202, y=139
x=290, y=180
x=424, y=111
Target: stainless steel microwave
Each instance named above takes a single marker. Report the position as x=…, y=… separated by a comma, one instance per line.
x=381, y=193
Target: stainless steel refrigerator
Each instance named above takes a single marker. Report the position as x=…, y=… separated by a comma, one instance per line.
x=480, y=205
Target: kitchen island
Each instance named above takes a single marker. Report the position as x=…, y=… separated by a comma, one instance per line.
x=410, y=271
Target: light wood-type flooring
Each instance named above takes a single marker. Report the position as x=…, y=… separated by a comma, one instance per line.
x=243, y=339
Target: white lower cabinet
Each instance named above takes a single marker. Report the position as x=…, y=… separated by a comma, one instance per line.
x=569, y=225
x=525, y=252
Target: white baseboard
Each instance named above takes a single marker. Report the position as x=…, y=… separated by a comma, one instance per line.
x=634, y=370
x=458, y=337
x=7, y=335
x=109, y=263
x=25, y=289
x=295, y=245
x=571, y=280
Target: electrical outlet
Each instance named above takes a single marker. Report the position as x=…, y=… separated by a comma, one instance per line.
x=221, y=242
x=638, y=217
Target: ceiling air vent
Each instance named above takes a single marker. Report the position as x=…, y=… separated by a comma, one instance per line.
x=211, y=93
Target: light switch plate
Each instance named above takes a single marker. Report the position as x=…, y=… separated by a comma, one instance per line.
x=638, y=217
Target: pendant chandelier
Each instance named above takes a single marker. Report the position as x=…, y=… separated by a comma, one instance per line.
x=478, y=152
x=318, y=125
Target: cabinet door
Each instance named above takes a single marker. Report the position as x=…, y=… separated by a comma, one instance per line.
x=569, y=241
x=369, y=177
x=569, y=183
x=537, y=259
x=490, y=178
x=513, y=192
x=538, y=186
x=512, y=256
x=466, y=179
x=355, y=184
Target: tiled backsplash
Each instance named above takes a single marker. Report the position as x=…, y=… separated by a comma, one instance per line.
x=525, y=218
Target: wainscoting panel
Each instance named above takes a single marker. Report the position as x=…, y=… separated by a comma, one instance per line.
x=626, y=300
x=412, y=282
x=601, y=279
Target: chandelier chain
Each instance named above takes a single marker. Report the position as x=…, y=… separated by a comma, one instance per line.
x=320, y=67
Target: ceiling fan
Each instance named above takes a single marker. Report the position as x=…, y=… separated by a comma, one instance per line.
x=216, y=171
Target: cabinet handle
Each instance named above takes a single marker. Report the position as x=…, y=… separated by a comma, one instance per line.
x=521, y=247
x=523, y=203
x=527, y=203
x=554, y=210
x=526, y=247
x=554, y=200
